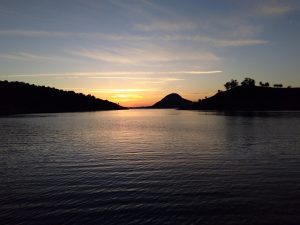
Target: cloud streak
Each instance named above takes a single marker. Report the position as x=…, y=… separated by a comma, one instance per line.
x=274, y=8
x=145, y=77
x=25, y=56
x=104, y=90
x=166, y=26
x=216, y=41
x=144, y=54
x=60, y=34
x=221, y=42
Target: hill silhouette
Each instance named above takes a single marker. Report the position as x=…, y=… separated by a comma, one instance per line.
x=172, y=101
x=251, y=98
x=19, y=97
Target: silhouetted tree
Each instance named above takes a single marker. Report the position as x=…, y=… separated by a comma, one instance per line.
x=231, y=84
x=278, y=85
x=248, y=82
x=264, y=84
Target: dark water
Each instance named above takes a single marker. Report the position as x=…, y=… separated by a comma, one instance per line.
x=150, y=167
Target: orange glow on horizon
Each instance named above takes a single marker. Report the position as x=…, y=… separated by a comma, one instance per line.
x=130, y=97
x=137, y=97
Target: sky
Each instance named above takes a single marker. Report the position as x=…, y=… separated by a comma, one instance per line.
x=134, y=52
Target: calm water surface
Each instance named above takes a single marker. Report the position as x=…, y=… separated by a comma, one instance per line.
x=150, y=167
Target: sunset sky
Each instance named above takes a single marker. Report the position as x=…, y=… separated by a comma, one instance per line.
x=134, y=52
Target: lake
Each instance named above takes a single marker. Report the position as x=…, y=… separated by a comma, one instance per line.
x=150, y=167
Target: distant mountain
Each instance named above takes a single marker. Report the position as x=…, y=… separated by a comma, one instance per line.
x=251, y=98
x=172, y=101
x=19, y=97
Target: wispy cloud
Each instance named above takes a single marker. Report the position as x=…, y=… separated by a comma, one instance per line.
x=238, y=42
x=60, y=34
x=119, y=75
x=275, y=7
x=216, y=41
x=164, y=79
x=160, y=25
x=128, y=90
x=25, y=56
x=223, y=42
x=104, y=55
x=36, y=33
x=110, y=90
x=145, y=53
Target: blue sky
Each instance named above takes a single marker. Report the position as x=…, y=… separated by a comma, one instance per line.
x=135, y=52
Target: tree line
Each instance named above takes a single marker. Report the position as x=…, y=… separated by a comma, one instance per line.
x=19, y=97
x=249, y=82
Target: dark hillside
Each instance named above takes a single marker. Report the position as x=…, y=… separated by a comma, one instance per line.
x=252, y=98
x=172, y=101
x=19, y=97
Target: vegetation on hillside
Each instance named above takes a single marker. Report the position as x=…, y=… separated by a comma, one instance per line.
x=19, y=97
x=248, y=96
